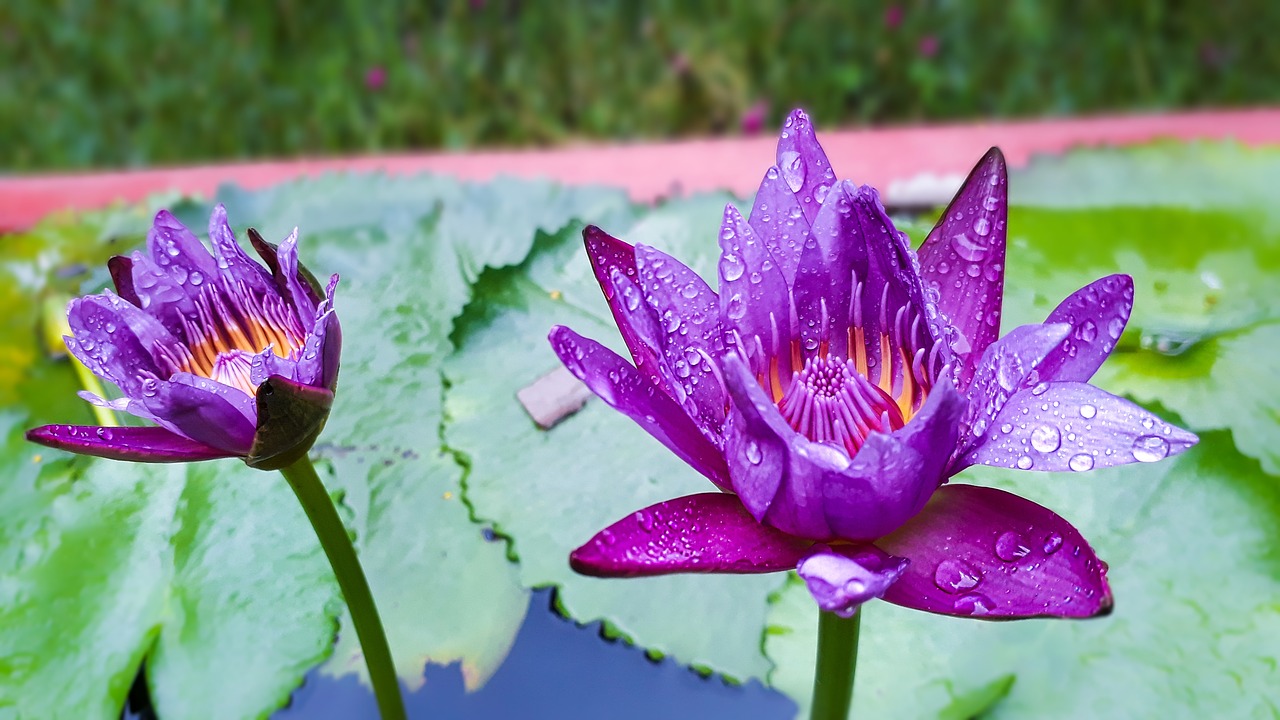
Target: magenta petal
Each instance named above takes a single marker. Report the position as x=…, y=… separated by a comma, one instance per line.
x=892, y=299
x=609, y=255
x=803, y=164
x=844, y=577
x=1009, y=365
x=815, y=491
x=235, y=262
x=968, y=246
x=288, y=281
x=621, y=386
x=706, y=533
x=160, y=295
x=778, y=220
x=833, y=259
x=689, y=313
x=317, y=364
x=1061, y=426
x=1097, y=314
x=640, y=330
x=754, y=299
x=115, y=340
x=136, y=444
x=205, y=411
x=121, y=269
x=983, y=552
x=178, y=251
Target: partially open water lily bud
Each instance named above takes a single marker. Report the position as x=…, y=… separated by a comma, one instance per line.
x=227, y=357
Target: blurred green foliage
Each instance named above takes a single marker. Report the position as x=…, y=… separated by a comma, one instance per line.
x=85, y=83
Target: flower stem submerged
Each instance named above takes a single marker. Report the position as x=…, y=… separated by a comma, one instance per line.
x=836, y=664
x=333, y=536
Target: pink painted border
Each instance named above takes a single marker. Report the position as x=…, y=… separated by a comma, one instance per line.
x=879, y=157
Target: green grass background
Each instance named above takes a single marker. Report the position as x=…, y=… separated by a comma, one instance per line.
x=86, y=83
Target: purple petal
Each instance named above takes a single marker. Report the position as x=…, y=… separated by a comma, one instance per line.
x=205, y=411
x=778, y=220
x=121, y=269
x=622, y=387
x=641, y=331
x=319, y=359
x=288, y=281
x=1009, y=365
x=160, y=295
x=177, y=251
x=846, y=576
x=892, y=303
x=706, y=533
x=116, y=340
x=1097, y=314
x=757, y=443
x=967, y=246
x=136, y=444
x=833, y=259
x=983, y=552
x=689, y=314
x=815, y=491
x=803, y=164
x=634, y=318
x=234, y=261
x=754, y=298
x=1073, y=426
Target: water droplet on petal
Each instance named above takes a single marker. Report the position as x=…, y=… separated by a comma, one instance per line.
x=1024, y=463
x=989, y=202
x=1115, y=327
x=1046, y=438
x=1010, y=546
x=956, y=576
x=1088, y=331
x=690, y=291
x=792, y=169
x=1081, y=462
x=982, y=226
x=1088, y=412
x=1052, y=543
x=737, y=308
x=731, y=267
x=974, y=604
x=968, y=249
x=196, y=279
x=1150, y=448
x=645, y=520
x=105, y=433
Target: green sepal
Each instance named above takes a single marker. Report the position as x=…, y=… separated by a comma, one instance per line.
x=291, y=416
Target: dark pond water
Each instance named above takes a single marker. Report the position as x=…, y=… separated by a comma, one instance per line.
x=556, y=669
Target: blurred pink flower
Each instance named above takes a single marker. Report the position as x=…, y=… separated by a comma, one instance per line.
x=375, y=77
x=893, y=16
x=928, y=46
x=753, y=118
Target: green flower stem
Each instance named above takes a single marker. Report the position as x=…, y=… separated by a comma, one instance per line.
x=337, y=545
x=837, y=658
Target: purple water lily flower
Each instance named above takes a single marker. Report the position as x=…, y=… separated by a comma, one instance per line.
x=228, y=358
x=837, y=380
